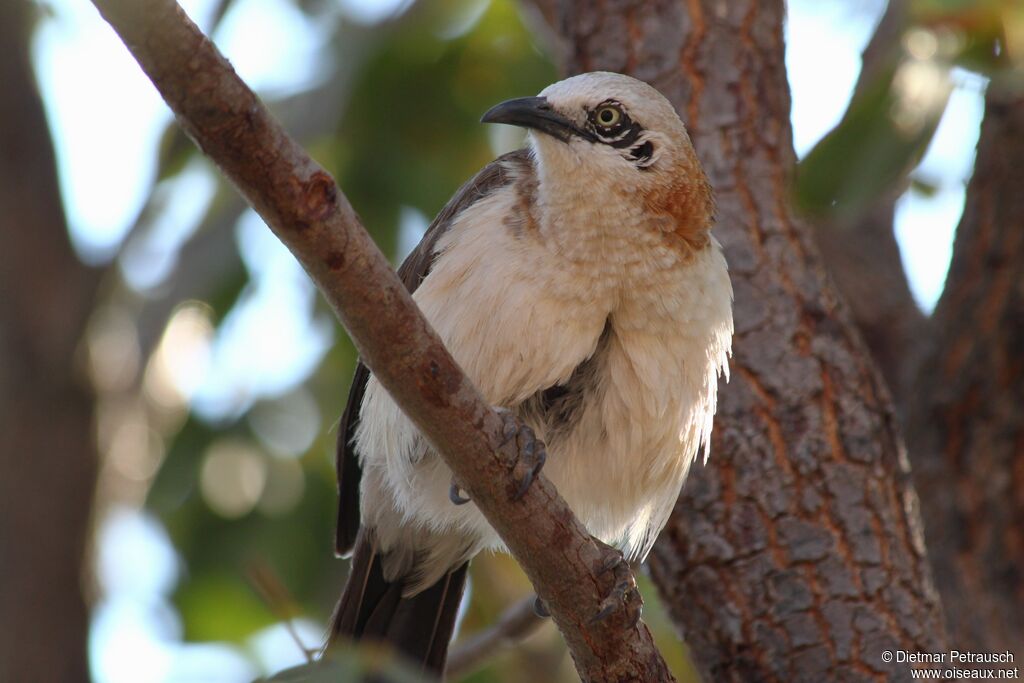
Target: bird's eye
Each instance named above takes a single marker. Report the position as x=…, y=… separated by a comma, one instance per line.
x=607, y=116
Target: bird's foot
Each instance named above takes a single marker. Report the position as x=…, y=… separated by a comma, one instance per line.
x=540, y=608
x=624, y=601
x=522, y=451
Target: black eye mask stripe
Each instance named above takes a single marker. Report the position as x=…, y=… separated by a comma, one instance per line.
x=627, y=140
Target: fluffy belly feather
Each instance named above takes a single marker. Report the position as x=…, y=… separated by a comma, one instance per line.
x=621, y=388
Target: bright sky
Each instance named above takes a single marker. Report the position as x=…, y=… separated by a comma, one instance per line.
x=106, y=119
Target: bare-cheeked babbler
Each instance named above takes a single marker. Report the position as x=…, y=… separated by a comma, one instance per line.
x=578, y=285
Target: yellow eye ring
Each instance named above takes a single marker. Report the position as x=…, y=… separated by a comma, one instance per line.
x=607, y=116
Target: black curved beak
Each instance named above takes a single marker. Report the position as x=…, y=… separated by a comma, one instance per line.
x=535, y=113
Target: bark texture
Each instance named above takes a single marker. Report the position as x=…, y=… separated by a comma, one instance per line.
x=966, y=422
x=571, y=571
x=797, y=554
x=47, y=457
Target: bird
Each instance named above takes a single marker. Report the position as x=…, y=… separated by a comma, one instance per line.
x=577, y=284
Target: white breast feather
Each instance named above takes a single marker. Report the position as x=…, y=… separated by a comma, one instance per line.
x=519, y=312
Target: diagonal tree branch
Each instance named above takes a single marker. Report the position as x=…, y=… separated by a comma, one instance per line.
x=306, y=210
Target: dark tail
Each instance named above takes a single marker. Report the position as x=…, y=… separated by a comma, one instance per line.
x=371, y=608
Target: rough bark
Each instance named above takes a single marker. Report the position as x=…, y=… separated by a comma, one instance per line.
x=47, y=456
x=861, y=253
x=307, y=211
x=797, y=553
x=966, y=422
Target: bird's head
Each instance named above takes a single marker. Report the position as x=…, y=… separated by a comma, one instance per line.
x=604, y=135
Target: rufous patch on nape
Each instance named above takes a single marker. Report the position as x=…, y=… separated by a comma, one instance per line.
x=578, y=285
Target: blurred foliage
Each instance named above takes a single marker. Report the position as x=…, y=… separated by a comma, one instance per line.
x=889, y=125
x=880, y=140
x=977, y=28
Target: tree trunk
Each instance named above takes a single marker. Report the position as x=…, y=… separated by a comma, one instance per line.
x=966, y=422
x=47, y=458
x=797, y=553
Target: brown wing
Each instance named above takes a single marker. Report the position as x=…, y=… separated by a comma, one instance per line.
x=499, y=173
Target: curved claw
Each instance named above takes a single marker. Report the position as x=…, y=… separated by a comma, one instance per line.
x=523, y=452
x=606, y=611
x=531, y=468
x=455, y=495
x=624, y=597
x=540, y=609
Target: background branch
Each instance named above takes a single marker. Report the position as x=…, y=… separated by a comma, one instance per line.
x=304, y=207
